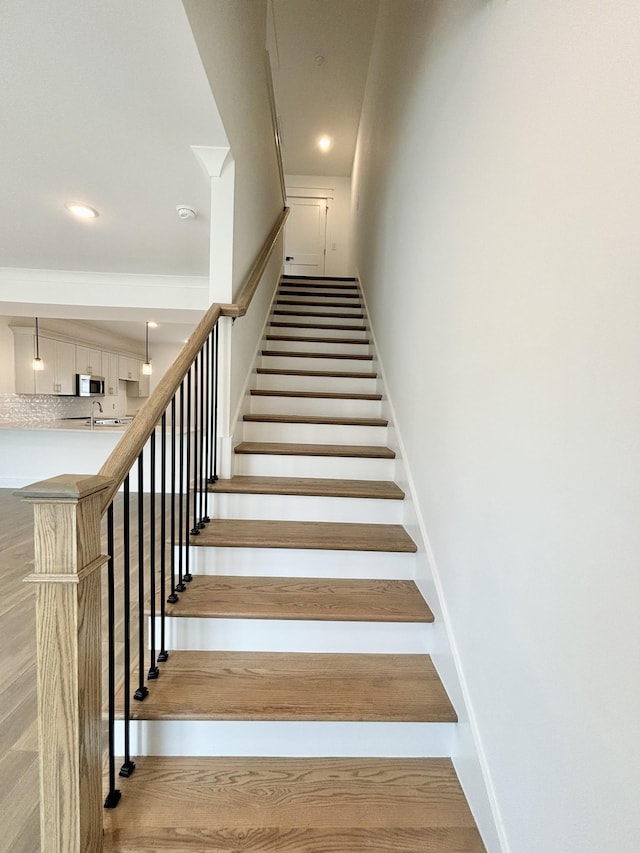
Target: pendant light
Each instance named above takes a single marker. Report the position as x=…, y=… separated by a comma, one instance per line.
x=38, y=363
x=147, y=369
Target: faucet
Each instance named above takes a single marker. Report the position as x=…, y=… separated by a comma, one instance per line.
x=93, y=411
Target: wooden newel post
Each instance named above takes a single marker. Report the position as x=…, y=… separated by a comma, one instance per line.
x=67, y=513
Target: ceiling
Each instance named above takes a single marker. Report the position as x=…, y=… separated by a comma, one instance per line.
x=101, y=103
x=319, y=53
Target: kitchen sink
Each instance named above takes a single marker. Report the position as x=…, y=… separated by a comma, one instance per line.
x=110, y=421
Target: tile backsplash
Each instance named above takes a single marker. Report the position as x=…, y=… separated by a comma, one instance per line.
x=43, y=408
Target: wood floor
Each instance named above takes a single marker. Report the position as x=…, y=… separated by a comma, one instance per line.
x=19, y=772
x=19, y=800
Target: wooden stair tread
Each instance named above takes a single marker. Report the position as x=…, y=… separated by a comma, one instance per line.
x=315, y=419
x=308, y=339
x=274, y=686
x=336, y=374
x=313, y=486
x=292, y=805
x=282, y=448
x=320, y=535
x=280, y=324
x=338, y=355
x=211, y=596
x=320, y=395
x=341, y=315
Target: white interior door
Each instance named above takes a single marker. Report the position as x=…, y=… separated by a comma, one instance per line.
x=305, y=236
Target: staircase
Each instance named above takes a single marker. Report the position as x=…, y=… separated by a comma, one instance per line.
x=299, y=709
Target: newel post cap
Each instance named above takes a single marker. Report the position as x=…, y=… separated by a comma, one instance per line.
x=65, y=487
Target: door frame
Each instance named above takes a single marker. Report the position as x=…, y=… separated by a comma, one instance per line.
x=321, y=194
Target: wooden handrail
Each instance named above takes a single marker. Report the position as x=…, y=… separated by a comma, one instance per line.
x=132, y=442
x=276, y=129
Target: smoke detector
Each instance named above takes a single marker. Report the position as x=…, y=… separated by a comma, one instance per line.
x=185, y=212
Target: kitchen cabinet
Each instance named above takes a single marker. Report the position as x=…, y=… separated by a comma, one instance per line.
x=63, y=358
x=128, y=368
x=59, y=359
x=110, y=373
x=89, y=361
x=141, y=387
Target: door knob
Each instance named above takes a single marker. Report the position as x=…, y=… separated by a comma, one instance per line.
x=289, y=258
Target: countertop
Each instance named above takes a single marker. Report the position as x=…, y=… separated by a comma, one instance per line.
x=64, y=425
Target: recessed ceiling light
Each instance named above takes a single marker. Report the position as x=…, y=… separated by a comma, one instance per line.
x=82, y=211
x=153, y=324
x=325, y=143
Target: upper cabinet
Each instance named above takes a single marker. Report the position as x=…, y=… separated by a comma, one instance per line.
x=59, y=359
x=110, y=373
x=63, y=359
x=128, y=368
x=89, y=361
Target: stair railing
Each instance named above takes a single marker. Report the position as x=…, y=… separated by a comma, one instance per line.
x=69, y=513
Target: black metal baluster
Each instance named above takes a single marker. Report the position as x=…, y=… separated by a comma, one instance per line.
x=128, y=766
x=163, y=654
x=153, y=672
x=195, y=530
x=205, y=428
x=173, y=597
x=187, y=574
x=143, y=691
x=180, y=587
x=214, y=426
x=201, y=467
x=113, y=797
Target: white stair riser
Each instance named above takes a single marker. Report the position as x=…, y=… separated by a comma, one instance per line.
x=307, y=317
x=336, y=408
x=303, y=332
x=295, y=291
x=287, y=739
x=299, y=562
x=315, y=433
x=348, y=468
x=347, y=301
x=314, y=346
x=317, y=295
x=305, y=508
x=273, y=635
x=340, y=384
x=292, y=362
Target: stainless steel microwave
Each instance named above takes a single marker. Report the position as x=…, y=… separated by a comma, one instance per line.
x=89, y=386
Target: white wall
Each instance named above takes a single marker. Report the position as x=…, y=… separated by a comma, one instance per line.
x=339, y=257
x=231, y=36
x=7, y=375
x=496, y=194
